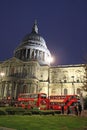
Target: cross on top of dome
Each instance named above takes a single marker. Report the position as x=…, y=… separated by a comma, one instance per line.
x=35, y=28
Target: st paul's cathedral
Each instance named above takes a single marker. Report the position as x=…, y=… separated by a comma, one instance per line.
x=29, y=71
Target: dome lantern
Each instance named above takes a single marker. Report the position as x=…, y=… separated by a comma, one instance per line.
x=35, y=28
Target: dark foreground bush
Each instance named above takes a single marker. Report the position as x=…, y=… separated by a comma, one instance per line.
x=48, y=112
x=21, y=111
x=35, y=112
x=43, y=112
x=57, y=112
x=27, y=113
x=13, y=111
x=2, y=112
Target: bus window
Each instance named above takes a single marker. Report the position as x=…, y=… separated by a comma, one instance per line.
x=43, y=96
x=33, y=95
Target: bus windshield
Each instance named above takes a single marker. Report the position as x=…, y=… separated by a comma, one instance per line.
x=43, y=95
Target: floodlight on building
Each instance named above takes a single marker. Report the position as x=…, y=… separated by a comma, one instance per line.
x=2, y=74
x=50, y=59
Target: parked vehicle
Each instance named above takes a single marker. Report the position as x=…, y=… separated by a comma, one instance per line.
x=33, y=101
x=42, y=102
x=57, y=101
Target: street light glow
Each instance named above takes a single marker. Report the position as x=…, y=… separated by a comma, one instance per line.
x=2, y=74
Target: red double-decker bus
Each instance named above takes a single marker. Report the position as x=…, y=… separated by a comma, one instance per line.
x=42, y=102
x=57, y=101
x=32, y=101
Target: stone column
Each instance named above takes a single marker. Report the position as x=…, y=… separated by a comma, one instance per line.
x=5, y=90
x=37, y=54
x=30, y=53
x=34, y=53
x=27, y=87
x=40, y=55
x=26, y=54
x=43, y=56
x=12, y=89
x=34, y=88
x=30, y=87
x=2, y=90
x=15, y=90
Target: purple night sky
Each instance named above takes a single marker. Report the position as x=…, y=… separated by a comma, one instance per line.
x=62, y=23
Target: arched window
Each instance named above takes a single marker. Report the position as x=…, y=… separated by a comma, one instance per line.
x=78, y=91
x=65, y=91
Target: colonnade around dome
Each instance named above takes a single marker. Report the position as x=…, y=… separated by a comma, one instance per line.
x=32, y=54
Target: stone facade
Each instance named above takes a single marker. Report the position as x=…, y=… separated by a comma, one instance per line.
x=28, y=71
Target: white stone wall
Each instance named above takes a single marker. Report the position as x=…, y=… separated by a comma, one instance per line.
x=67, y=77
x=51, y=80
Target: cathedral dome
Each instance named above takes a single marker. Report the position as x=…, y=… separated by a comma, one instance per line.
x=33, y=47
x=33, y=36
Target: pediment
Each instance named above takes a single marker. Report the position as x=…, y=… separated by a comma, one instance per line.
x=12, y=61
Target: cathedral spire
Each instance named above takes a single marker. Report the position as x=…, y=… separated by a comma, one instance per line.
x=35, y=28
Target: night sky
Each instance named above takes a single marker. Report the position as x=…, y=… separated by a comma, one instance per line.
x=62, y=23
